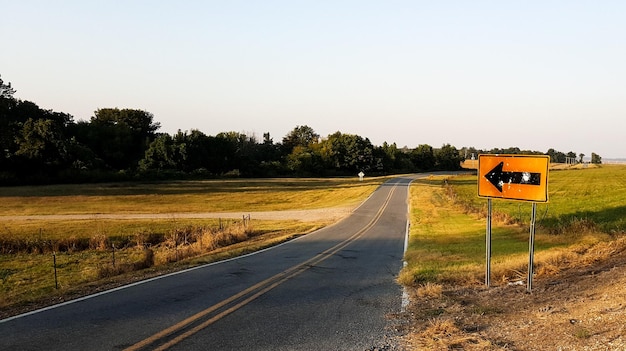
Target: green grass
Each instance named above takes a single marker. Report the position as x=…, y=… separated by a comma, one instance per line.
x=445, y=243
x=447, y=238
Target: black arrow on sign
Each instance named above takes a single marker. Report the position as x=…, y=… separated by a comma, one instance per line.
x=498, y=178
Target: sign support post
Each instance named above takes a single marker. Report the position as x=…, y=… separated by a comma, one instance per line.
x=488, y=245
x=531, y=248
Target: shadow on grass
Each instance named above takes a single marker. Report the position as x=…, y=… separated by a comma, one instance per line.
x=608, y=220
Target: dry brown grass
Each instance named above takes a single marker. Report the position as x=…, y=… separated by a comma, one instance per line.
x=430, y=290
x=444, y=335
x=189, y=242
x=26, y=278
x=578, y=303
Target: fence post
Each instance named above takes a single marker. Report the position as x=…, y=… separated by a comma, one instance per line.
x=54, y=260
x=113, y=245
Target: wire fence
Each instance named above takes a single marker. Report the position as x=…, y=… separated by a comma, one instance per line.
x=38, y=263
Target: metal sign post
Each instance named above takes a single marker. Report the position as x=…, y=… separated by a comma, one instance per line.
x=488, y=245
x=531, y=248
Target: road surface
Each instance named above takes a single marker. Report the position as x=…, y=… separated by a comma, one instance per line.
x=330, y=290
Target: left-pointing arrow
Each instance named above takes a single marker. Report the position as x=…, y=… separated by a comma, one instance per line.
x=499, y=178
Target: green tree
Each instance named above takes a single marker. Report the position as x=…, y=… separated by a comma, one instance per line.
x=299, y=136
x=34, y=141
x=269, y=155
x=388, y=158
x=301, y=151
x=448, y=158
x=42, y=144
x=195, y=150
x=8, y=125
x=348, y=153
x=119, y=137
x=162, y=154
x=239, y=152
x=383, y=158
x=268, y=150
x=6, y=91
x=304, y=161
x=556, y=156
x=423, y=157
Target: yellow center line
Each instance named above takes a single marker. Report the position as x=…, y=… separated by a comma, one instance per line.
x=260, y=288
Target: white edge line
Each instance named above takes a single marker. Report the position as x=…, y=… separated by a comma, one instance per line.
x=405, y=293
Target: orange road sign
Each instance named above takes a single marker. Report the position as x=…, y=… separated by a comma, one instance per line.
x=514, y=177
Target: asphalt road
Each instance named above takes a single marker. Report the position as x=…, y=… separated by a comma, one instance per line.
x=330, y=290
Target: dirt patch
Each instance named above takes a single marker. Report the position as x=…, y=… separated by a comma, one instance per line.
x=579, y=308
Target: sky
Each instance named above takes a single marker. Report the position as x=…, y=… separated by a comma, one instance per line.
x=485, y=74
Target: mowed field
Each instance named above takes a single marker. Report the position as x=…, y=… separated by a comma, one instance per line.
x=184, y=196
x=94, y=253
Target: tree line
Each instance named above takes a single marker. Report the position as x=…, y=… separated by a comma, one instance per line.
x=43, y=146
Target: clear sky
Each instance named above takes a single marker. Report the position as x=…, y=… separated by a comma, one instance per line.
x=528, y=74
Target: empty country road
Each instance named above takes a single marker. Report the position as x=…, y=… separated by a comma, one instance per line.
x=333, y=289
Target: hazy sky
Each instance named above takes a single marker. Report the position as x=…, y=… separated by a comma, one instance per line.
x=532, y=74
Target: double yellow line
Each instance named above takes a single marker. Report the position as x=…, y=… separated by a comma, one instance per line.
x=167, y=338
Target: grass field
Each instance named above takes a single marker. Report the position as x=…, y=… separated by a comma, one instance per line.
x=593, y=196
x=106, y=250
x=188, y=196
x=586, y=207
